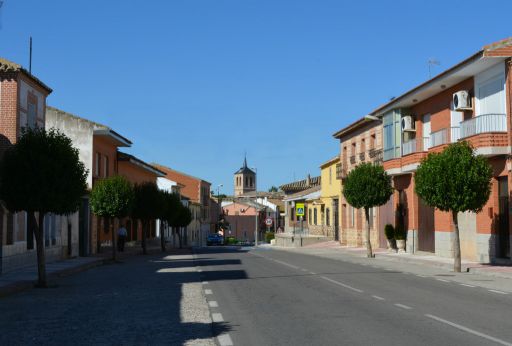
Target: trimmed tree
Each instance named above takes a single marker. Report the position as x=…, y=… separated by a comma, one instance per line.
x=170, y=208
x=367, y=186
x=112, y=198
x=42, y=174
x=184, y=218
x=455, y=180
x=146, y=207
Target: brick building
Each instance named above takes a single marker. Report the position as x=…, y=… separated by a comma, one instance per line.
x=360, y=142
x=470, y=101
x=22, y=105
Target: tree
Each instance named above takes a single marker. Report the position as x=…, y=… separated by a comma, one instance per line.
x=367, y=186
x=184, y=218
x=171, y=205
x=455, y=180
x=273, y=189
x=42, y=174
x=112, y=198
x=146, y=207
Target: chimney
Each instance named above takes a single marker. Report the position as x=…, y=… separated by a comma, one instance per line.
x=308, y=180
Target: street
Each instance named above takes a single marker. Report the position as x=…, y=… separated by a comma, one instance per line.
x=257, y=296
x=271, y=297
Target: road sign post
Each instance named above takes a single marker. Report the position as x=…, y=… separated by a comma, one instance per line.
x=299, y=211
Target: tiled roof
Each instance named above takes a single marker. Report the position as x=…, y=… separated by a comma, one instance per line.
x=300, y=185
x=127, y=157
x=9, y=66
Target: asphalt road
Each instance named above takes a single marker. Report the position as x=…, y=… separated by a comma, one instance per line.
x=272, y=297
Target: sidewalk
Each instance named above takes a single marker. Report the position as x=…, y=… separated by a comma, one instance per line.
x=421, y=259
x=25, y=278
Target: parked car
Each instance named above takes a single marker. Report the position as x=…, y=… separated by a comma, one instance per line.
x=214, y=239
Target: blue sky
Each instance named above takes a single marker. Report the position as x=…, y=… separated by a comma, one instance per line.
x=195, y=83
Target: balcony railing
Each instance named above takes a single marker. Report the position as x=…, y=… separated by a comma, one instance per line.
x=438, y=137
x=454, y=134
x=483, y=124
x=362, y=156
x=353, y=159
x=427, y=143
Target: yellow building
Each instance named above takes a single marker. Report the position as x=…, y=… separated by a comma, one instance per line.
x=324, y=212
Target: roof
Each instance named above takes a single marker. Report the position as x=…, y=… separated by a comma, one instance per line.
x=162, y=167
x=136, y=161
x=352, y=127
x=330, y=162
x=244, y=169
x=301, y=184
x=311, y=193
x=481, y=60
x=9, y=66
x=101, y=130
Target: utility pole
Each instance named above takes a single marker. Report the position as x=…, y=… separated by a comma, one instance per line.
x=256, y=230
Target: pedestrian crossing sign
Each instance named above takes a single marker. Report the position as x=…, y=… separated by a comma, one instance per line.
x=299, y=209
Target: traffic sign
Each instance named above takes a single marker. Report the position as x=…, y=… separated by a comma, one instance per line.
x=299, y=209
x=268, y=221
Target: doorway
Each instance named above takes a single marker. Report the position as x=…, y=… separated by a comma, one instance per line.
x=426, y=232
x=336, y=215
x=503, y=219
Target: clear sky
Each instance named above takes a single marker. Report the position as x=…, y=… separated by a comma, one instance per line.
x=195, y=83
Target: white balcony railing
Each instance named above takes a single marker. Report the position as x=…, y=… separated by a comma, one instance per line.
x=454, y=134
x=483, y=124
x=438, y=138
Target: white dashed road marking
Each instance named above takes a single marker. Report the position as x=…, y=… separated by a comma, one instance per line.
x=217, y=317
x=225, y=340
x=378, y=298
x=470, y=331
x=287, y=264
x=207, y=291
x=205, y=282
x=342, y=284
x=466, y=285
x=499, y=292
x=403, y=306
x=312, y=273
x=443, y=280
x=213, y=304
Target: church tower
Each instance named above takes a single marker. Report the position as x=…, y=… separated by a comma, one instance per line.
x=245, y=180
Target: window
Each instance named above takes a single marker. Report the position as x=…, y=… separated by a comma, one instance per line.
x=327, y=217
x=372, y=141
x=315, y=215
x=363, y=146
x=31, y=115
x=246, y=181
x=105, y=166
x=97, y=161
x=353, y=149
x=250, y=181
x=352, y=216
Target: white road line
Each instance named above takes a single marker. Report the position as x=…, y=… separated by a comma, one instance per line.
x=213, y=304
x=287, y=264
x=205, y=282
x=225, y=340
x=312, y=273
x=378, y=298
x=500, y=292
x=217, y=317
x=403, y=306
x=199, y=270
x=470, y=331
x=443, y=280
x=421, y=276
x=341, y=284
x=208, y=291
x=304, y=270
x=466, y=285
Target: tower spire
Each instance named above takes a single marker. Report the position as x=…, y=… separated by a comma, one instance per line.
x=245, y=160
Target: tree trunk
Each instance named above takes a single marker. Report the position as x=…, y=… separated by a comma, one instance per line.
x=179, y=235
x=162, y=240
x=114, y=250
x=456, y=244
x=144, y=248
x=41, y=262
x=99, y=220
x=369, y=252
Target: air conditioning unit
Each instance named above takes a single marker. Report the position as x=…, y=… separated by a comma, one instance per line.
x=242, y=210
x=461, y=100
x=407, y=123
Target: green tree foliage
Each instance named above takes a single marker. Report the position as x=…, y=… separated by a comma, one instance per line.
x=171, y=204
x=112, y=198
x=455, y=180
x=181, y=220
x=42, y=174
x=273, y=189
x=367, y=186
x=146, y=207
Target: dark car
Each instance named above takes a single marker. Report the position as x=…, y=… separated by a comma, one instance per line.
x=214, y=239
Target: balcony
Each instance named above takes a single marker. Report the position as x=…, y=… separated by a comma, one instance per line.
x=341, y=172
x=362, y=156
x=353, y=159
x=409, y=147
x=454, y=134
x=439, y=138
x=484, y=123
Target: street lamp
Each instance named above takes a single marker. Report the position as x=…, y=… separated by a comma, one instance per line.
x=220, y=206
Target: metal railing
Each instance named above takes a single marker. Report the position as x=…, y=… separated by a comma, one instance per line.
x=438, y=138
x=454, y=134
x=426, y=143
x=362, y=156
x=353, y=159
x=483, y=123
